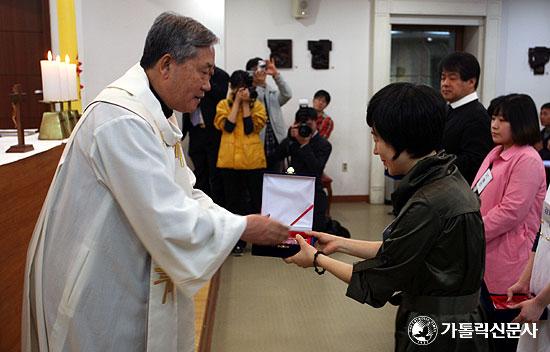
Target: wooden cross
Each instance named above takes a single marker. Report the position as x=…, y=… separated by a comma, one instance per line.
x=16, y=98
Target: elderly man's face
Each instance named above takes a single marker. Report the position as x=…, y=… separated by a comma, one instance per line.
x=189, y=81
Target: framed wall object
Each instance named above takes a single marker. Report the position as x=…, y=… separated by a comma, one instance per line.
x=538, y=57
x=320, y=50
x=281, y=52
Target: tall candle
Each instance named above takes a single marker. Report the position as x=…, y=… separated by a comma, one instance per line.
x=71, y=79
x=51, y=83
x=63, y=79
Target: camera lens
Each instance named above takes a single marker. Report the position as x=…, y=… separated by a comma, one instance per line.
x=304, y=130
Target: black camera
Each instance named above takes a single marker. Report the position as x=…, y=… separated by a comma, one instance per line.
x=304, y=114
x=304, y=130
x=251, y=89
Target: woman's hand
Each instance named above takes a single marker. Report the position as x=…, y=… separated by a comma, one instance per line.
x=531, y=310
x=519, y=287
x=304, y=257
x=327, y=243
x=243, y=96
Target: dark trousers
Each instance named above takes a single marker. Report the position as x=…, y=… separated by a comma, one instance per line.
x=274, y=166
x=243, y=192
x=209, y=178
x=498, y=316
x=320, y=210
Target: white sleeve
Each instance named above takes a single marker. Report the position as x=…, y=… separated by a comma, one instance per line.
x=189, y=241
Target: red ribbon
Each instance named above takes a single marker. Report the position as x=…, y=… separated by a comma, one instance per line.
x=302, y=215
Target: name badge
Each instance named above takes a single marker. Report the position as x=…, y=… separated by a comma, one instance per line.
x=483, y=181
x=546, y=212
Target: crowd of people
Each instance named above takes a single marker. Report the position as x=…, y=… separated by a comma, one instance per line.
x=468, y=213
x=140, y=232
x=238, y=133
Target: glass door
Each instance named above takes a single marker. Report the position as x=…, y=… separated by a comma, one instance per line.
x=416, y=52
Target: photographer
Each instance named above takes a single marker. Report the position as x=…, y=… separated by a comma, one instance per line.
x=275, y=128
x=307, y=152
x=241, y=157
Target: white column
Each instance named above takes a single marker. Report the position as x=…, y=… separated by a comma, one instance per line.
x=491, y=51
x=380, y=56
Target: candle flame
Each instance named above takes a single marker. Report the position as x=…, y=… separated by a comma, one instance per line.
x=67, y=59
x=58, y=58
x=49, y=55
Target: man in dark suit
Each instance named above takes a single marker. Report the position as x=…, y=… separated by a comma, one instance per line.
x=204, y=138
x=307, y=152
x=468, y=128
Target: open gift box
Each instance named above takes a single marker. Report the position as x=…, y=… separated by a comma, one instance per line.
x=290, y=200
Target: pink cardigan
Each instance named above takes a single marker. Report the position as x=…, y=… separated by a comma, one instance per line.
x=511, y=207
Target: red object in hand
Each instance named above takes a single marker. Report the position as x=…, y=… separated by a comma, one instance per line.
x=501, y=301
x=292, y=237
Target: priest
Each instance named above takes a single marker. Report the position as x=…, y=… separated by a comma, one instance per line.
x=123, y=240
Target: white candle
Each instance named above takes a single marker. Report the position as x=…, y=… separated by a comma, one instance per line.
x=63, y=79
x=71, y=79
x=51, y=85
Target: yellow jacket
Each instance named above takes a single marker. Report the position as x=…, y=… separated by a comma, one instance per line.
x=237, y=150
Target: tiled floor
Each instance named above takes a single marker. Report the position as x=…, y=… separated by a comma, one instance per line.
x=266, y=305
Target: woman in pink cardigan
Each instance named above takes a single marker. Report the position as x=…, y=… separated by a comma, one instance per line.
x=511, y=186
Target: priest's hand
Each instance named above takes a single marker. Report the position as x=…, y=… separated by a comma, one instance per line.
x=304, y=257
x=263, y=230
x=327, y=243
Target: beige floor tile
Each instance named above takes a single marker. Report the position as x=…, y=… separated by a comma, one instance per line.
x=266, y=305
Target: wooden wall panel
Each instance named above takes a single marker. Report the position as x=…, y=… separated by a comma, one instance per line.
x=25, y=40
x=22, y=15
x=23, y=189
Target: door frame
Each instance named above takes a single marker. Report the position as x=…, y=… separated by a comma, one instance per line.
x=483, y=17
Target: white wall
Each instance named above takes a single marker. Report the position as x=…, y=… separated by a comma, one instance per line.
x=111, y=34
x=525, y=24
x=346, y=24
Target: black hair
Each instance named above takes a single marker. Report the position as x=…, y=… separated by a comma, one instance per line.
x=495, y=104
x=520, y=110
x=250, y=64
x=545, y=106
x=465, y=64
x=176, y=35
x=238, y=79
x=322, y=94
x=409, y=117
x=304, y=114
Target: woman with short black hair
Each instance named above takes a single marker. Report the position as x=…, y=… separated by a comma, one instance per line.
x=430, y=261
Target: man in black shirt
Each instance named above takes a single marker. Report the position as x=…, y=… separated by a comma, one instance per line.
x=544, y=146
x=204, y=138
x=468, y=128
x=307, y=152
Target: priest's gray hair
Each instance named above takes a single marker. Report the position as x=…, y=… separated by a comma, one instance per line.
x=176, y=35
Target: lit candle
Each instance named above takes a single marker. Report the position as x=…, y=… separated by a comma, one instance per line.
x=63, y=79
x=51, y=84
x=71, y=78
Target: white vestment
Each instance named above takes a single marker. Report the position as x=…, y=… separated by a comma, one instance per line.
x=121, y=205
x=540, y=278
